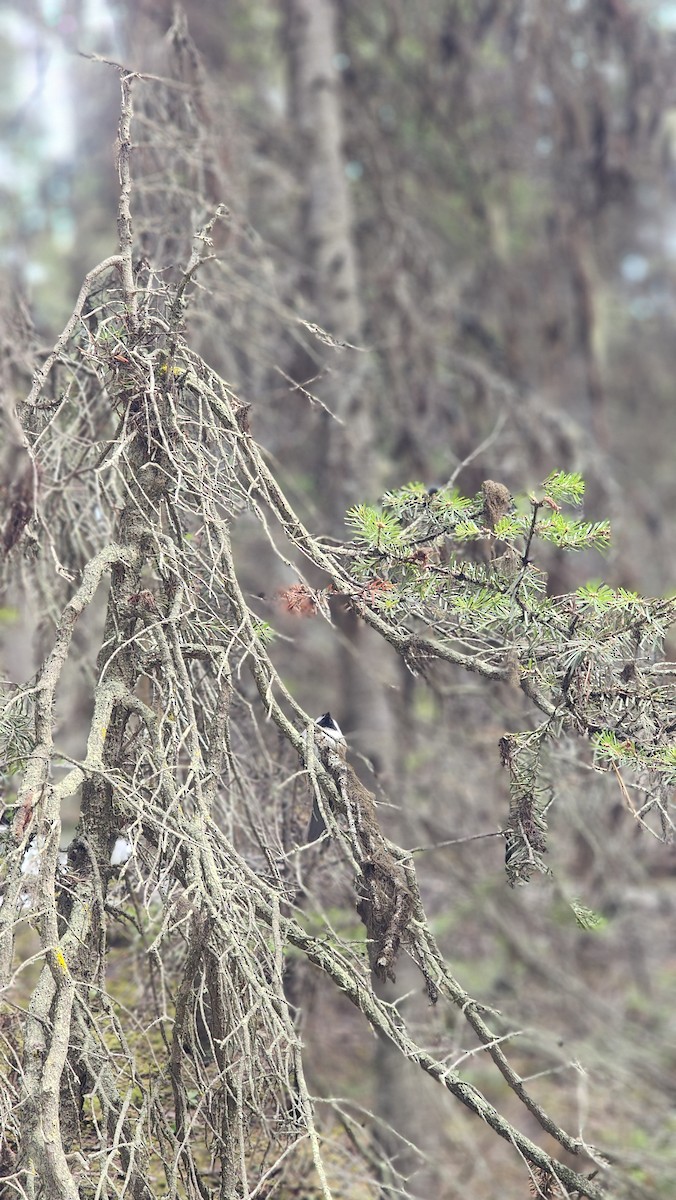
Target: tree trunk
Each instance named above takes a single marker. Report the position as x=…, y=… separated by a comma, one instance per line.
x=345, y=472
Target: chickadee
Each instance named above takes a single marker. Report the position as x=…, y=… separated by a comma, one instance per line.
x=326, y=728
x=329, y=727
x=121, y=852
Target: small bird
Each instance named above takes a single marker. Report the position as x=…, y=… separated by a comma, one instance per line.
x=326, y=727
x=329, y=727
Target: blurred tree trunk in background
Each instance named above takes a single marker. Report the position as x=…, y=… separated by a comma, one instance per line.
x=342, y=434
x=346, y=462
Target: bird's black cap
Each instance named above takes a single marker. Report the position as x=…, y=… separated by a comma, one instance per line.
x=329, y=726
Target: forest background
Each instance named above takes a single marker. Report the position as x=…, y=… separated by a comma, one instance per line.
x=441, y=244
